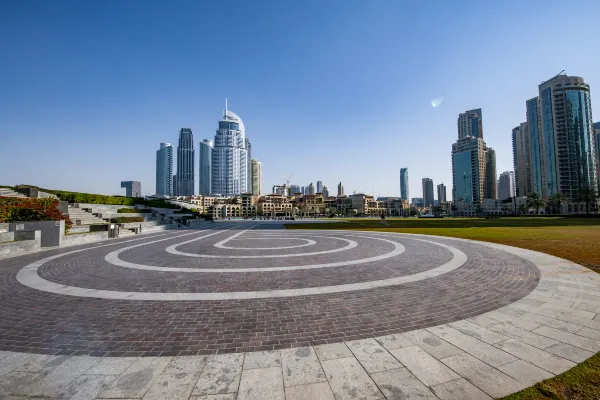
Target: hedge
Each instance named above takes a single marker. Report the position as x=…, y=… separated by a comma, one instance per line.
x=134, y=210
x=124, y=220
x=18, y=209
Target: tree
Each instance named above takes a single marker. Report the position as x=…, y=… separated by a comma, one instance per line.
x=557, y=200
x=536, y=201
x=522, y=209
x=589, y=196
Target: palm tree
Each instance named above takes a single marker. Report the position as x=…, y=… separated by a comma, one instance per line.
x=558, y=199
x=522, y=209
x=588, y=195
x=536, y=201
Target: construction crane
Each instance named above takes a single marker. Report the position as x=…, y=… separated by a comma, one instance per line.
x=287, y=181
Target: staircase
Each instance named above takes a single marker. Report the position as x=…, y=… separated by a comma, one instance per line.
x=6, y=192
x=81, y=217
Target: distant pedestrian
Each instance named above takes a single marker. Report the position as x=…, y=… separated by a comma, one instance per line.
x=383, y=221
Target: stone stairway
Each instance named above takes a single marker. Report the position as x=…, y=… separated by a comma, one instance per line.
x=6, y=192
x=82, y=217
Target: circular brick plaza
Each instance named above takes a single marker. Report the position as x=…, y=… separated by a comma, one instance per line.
x=240, y=287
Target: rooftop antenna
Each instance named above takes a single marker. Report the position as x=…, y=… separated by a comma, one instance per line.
x=225, y=106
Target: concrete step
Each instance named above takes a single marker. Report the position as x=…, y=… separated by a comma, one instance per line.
x=4, y=192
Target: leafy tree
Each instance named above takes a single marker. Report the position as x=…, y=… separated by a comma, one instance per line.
x=557, y=200
x=536, y=201
x=589, y=196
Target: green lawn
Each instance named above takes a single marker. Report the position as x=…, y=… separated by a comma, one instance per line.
x=575, y=239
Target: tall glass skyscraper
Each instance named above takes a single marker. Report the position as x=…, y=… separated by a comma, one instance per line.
x=597, y=146
x=563, y=155
x=184, y=179
x=205, y=163
x=428, y=199
x=404, y=184
x=249, y=166
x=164, y=170
x=470, y=123
x=230, y=157
x=319, y=186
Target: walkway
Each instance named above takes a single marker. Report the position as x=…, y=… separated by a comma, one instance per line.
x=249, y=311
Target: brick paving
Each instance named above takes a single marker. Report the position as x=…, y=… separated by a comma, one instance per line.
x=49, y=323
x=495, y=324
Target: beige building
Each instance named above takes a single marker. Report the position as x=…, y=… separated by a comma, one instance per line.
x=256, y=177
x=275, y=205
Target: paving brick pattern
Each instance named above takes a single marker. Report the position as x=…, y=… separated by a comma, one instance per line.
x=41, y=322
x=492, y=345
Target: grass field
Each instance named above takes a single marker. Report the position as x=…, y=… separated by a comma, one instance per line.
x=575, y=239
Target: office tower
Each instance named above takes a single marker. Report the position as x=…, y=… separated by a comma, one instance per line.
x=340, y=191
x=597, y=147
x=164, y=170
x=184, y=178
x=303, y=190
x=428, y=198
x=230, y=157
x=325, y=191
x=468, y=170
x=561, y=138
x=319, y=187
x=256, y=177
x=249, y=167
x=295, y=189
x=205, y=162
x=441, y=193
x=473, y=165
x=506, y=185
x=490, y=174
x=521, y=161
x=311, y=188
x=404, y=183
x=132, y=188
x=470, y=123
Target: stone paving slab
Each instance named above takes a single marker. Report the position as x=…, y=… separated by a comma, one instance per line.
x=492, y=352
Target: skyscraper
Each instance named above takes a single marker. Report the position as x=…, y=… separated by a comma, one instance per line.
x=249, y=167
x=597, y=147
x=295, y=189
x=319, y=187
x=311, y=188
x=560, y=127
x=132, y=188
x=256, y=177
x=473, y=165
x=230, y=157
x=340, y=191
x=470, y=123
x=164, y=170
x=441, y=193
x=490, y=184
x=184, y=179
x=325, y=191
x=205, y=163
x=521, y=160
x=404, y=183
x=506, y=185
x=428, y=199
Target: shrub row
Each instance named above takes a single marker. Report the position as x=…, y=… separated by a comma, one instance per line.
x=17, y=209
x=134, y=210
x=124, y=220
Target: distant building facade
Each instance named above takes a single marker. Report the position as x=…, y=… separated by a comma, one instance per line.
x=428, y=198
x=132, y=188
x=205, y=167
x=506, y=185
x=404, y=195
x=256, y=177
x=325, y=191
x=164, y=170
x=319, y=186
x=311, y=189
x=340, y=189
x=490, y=183
x=230, y=157
x=441, y=193
x=184, y=178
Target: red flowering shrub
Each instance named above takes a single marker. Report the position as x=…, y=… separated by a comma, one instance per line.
x=17, y=209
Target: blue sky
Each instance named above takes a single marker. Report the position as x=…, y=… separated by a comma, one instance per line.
x=330, y=90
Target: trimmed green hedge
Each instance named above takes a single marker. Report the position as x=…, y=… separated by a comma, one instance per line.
x=133, y=210
x=124, y=220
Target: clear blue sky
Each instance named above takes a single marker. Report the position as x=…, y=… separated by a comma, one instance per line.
x=330, y=90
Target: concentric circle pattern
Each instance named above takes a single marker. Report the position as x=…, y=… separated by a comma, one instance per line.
x=237, y=287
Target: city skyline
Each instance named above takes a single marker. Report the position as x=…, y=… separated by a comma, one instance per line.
x=86, y=98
